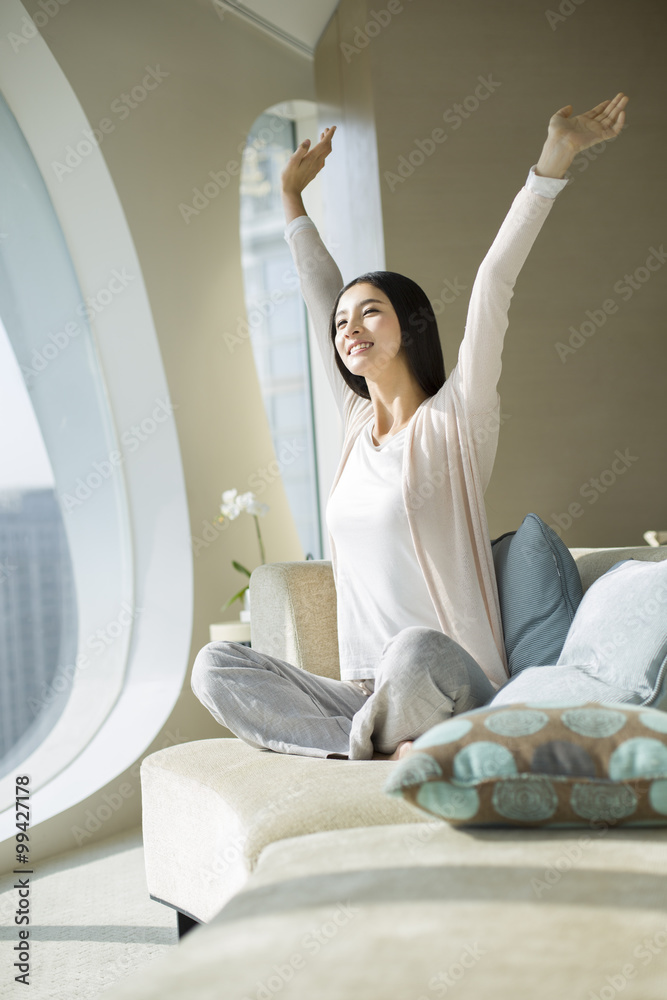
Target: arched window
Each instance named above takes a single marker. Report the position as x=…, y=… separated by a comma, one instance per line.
x=80, y=331
x=43, y=313
x=278, y=324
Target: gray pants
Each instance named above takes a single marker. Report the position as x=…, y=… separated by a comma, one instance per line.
x=423, y=677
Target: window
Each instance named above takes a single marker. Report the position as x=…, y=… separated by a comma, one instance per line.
x=55, y=408
x=277, y=322
x=91, y=380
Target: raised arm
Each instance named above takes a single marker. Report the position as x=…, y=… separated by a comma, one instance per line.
x=479, y=362
x=320, y=279
x=302, y=167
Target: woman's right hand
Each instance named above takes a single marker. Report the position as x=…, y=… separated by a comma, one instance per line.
x=306, y=163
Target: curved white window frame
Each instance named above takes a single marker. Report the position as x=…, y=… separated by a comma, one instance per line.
x=40, y=295
x=130, y=704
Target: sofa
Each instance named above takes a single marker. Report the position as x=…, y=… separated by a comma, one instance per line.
x=311, y=881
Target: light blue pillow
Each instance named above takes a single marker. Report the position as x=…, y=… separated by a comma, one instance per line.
x=539, y=589
x=616, y=649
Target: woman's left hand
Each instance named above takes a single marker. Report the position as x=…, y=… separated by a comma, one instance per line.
x=603, y=122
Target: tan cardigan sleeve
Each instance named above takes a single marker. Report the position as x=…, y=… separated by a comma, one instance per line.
x=477, y=371
x=475, y=377
x=320, y=281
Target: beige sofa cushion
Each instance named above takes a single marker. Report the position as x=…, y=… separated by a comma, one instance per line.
x=210, y=807
x=415, y=911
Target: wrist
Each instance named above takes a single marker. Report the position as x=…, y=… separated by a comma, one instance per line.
x=293, y=205
x=289, y=194
x=555, y=158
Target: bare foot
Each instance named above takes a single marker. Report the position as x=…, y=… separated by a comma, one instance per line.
x=404, y=747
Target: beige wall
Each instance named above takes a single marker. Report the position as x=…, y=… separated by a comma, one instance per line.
x=222, y=74
x=564, y=420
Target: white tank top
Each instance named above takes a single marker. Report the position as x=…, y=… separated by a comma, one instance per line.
x=380, y=588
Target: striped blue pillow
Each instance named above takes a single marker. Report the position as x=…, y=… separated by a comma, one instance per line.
x=540, y=590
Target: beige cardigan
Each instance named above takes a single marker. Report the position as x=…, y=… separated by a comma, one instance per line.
x=450, y=445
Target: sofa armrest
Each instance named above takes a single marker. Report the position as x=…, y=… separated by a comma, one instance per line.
x=293, y=614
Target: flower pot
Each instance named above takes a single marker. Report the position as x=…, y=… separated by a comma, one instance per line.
x=245, y=614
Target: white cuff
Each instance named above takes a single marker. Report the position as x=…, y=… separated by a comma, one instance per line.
x=548, y=187
x=301, y=222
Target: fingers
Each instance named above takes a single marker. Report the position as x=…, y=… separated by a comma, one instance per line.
x=613, y=117
x=328, y=134
x=617, y=125
x=617, y=107
x=325, y=137
x=300, y=151
x=619, y=101
x=598, y=109
x=609, y=109
x=612, y=107
x=324, y=145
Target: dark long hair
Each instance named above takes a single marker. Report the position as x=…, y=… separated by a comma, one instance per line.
x=419, y=331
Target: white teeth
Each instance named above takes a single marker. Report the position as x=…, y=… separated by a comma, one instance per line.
x=360, y=347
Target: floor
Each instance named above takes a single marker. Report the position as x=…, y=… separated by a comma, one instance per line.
x=93, y=922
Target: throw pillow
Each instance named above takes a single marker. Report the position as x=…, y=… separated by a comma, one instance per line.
x=540, y=765
x=616, y=649
x=539, y=589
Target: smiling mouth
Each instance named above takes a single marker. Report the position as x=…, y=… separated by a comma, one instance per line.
x=360, y=348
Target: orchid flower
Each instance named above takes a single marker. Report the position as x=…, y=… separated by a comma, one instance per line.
x=233, y=504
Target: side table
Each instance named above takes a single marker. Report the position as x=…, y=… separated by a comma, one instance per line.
x=237, y=631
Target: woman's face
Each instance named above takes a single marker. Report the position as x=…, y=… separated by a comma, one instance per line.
x=368, y=334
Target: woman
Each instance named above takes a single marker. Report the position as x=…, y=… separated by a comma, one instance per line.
x=420, y=636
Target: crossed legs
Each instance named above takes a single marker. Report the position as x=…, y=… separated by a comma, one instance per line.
x=423, y=677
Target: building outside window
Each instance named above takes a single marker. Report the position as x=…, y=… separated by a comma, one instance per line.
x=38, y=612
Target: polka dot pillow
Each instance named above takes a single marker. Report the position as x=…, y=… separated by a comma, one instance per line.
x=540, y=765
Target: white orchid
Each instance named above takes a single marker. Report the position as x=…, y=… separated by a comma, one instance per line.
x=233, y=504
x=230, y=507
x=250, y=503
